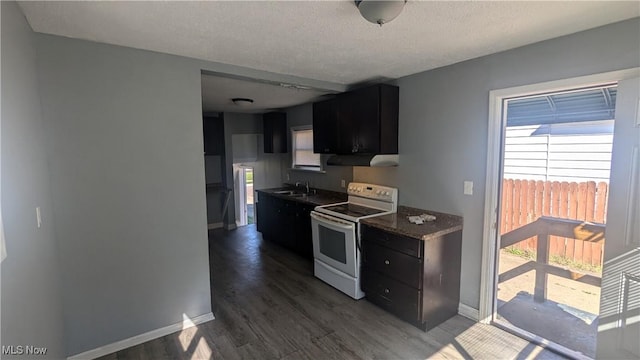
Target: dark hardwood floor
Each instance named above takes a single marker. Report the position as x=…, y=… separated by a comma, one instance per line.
x=268, y=305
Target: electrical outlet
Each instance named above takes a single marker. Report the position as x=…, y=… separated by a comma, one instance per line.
x=288, y=177
x=343, y=183
x=468, y=187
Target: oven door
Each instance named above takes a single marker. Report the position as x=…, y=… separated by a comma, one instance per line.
x=334, y=242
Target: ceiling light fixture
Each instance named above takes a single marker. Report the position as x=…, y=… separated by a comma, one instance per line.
x=242, y=101
x=380, y=11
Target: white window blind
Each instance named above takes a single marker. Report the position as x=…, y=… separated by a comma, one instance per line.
x=302, y=150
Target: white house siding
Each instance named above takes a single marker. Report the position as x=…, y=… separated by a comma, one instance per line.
x=577, y=152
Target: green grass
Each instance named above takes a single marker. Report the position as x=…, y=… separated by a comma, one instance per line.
x=526, y=254
x=556, y=260
x=575, y=265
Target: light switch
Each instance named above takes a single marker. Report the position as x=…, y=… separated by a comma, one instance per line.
x=468, y=187
x=343, y=183
x=638, y=114
x=38, y=217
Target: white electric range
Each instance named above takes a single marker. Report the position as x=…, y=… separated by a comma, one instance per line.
x=336, y=234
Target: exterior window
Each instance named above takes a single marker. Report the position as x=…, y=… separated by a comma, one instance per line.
x=302, y=150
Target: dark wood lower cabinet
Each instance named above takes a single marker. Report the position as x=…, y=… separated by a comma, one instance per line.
x=302, y=230
x=392, y=295
x=262, y=213
x=417, y=280
x=285, y=222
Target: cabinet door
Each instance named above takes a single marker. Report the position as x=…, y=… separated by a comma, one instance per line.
x=304, y=242
x=285, y=231
x=368, y=120
x=347, y=119
x=275, y=132
x=392, y=295
x=325, y=126
x=286, y=223
x=358, y=115
x=389, y=105
x=213, y=131
x=265, y=215
x=393, y=264
x=366, y=110
x=276, y=214
x=403, y=244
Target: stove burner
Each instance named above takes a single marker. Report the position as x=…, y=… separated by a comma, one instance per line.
x=353, y=210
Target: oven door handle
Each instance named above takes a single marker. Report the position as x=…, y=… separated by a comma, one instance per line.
x=334, y=221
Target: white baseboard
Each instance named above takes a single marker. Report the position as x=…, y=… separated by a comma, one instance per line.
x=217, y=225
x=468, y=312
x=231, y=226
x=139, y=339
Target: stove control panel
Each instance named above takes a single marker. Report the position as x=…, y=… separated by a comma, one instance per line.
x=377, y=192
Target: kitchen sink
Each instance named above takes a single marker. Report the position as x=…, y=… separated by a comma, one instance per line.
x=292, y=193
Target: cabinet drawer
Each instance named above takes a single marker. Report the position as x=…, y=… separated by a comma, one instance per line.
x=396, y=265
x=401, y=243
x=391, y=295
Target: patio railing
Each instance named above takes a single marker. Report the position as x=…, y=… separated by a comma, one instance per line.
x=542, y=229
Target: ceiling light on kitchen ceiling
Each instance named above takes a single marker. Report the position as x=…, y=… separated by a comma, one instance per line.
x=380, y=11
x=242, y=101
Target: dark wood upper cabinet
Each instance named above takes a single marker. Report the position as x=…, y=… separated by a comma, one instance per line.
x=363, y=121
x=359, y=113
x=325, y=126
x=369, y=117
x=275, y=132
x=213, y=129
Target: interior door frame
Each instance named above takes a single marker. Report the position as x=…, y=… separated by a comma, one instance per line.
x=495, y=145
x=240, y=183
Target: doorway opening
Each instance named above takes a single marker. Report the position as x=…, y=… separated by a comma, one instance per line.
x=556, y=158
x=245, y=200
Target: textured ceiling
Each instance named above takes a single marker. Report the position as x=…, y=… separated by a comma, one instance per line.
x=324, y=40
x=217, y=92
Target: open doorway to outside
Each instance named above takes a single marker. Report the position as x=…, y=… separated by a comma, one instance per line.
x=245, y=199
x=616, y=322
x=555, y=174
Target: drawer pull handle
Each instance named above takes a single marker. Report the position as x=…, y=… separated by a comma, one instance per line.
x=386, y=291
x=386, y=262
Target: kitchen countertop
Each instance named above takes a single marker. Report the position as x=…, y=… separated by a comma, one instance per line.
x=398, y=223
x=322, y=197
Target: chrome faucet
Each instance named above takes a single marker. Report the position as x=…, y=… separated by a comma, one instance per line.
x=306, y=186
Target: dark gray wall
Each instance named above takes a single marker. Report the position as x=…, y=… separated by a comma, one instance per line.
x=127, y=177
x=443, y=124
x=124, y=131
x=31, y=288
x=303, y=115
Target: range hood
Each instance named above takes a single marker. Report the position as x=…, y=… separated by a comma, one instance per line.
x=364, y=160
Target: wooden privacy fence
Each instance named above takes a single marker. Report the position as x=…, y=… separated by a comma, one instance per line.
x=524, y=201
